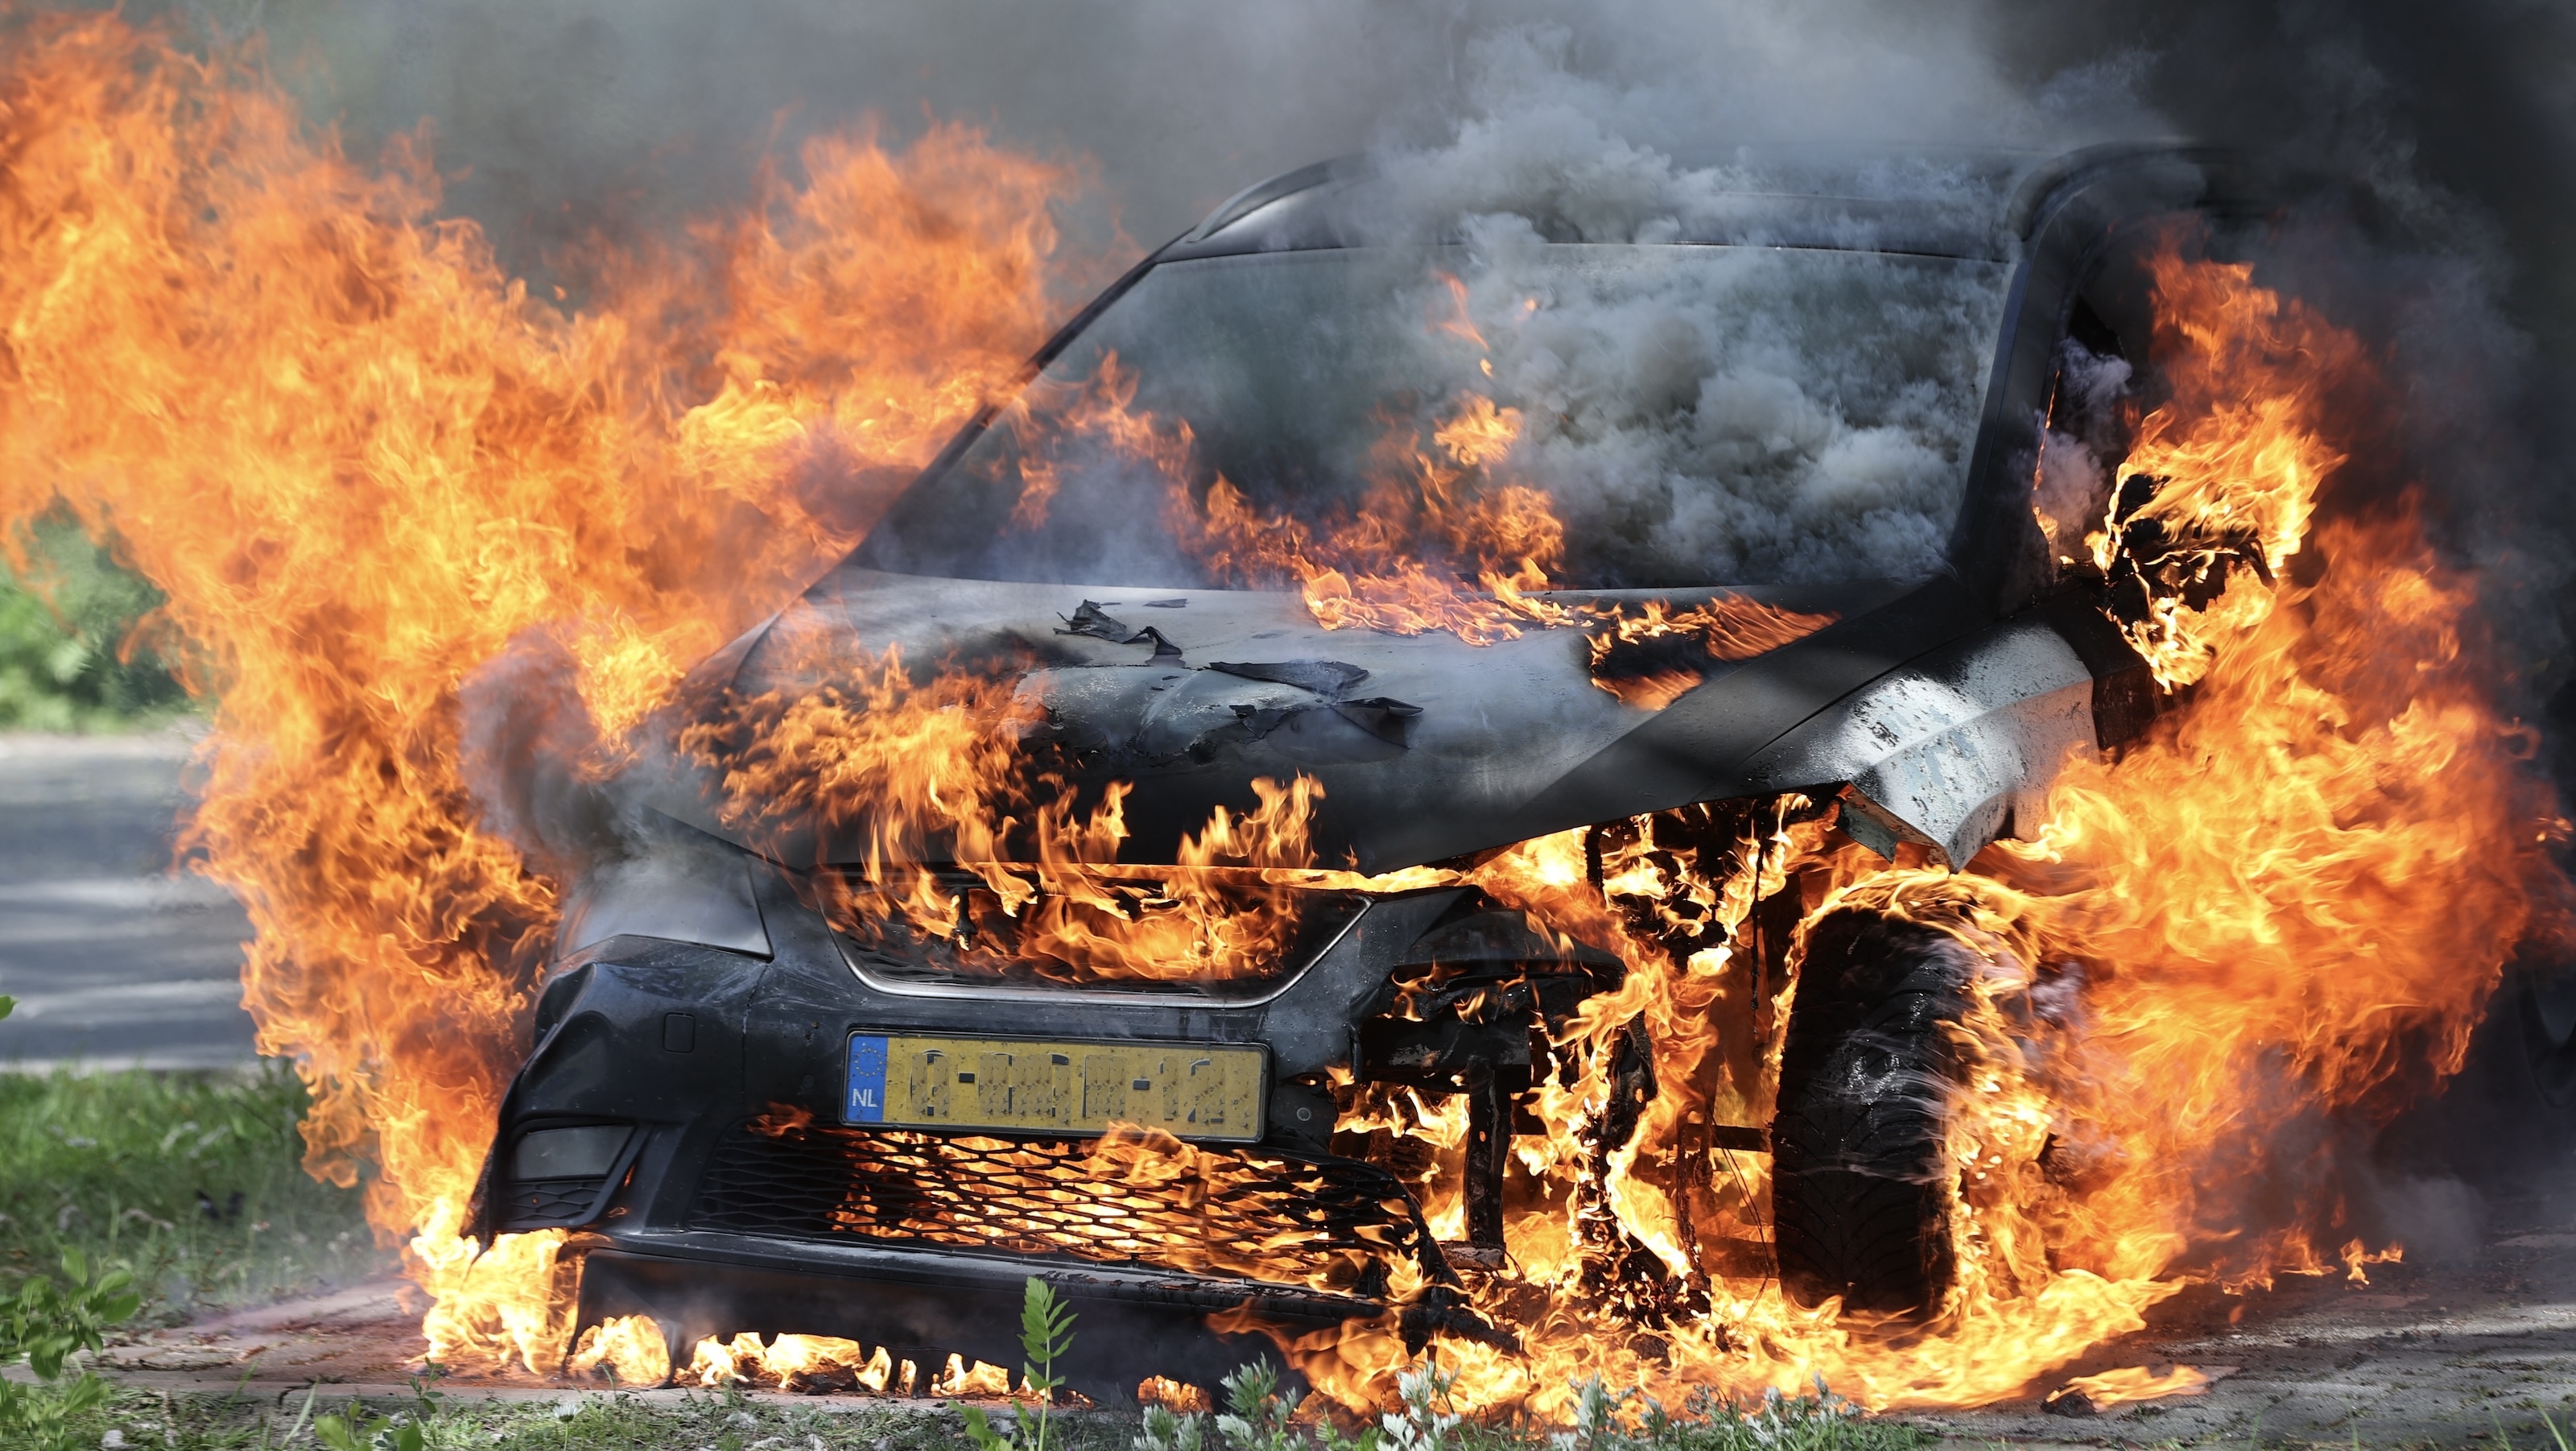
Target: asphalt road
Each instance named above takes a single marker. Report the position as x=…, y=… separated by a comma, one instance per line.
x=115, y=960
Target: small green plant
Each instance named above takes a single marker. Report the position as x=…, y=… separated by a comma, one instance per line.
x=1821, y=1422
x=1167, y=1431
x=358, y=1431
x=1428, y=1420
x=43, y=1323
x=1256, y=1415
x=1597, y=1426
x=1046, y=1333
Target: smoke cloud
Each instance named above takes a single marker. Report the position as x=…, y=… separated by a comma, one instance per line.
x=562, y=121
x=572, y=115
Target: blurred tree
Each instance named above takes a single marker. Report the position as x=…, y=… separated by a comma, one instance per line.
x=69, y=656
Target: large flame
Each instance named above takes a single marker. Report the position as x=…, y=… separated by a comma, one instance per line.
x=2266, y=927
x=362, y=462
x=360, y=459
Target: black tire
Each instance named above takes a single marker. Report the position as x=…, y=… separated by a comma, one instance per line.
x=1858, y=1206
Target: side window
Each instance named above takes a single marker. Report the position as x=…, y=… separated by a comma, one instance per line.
x=2098, y=365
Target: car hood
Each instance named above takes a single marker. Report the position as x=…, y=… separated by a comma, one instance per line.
x=1426, y=747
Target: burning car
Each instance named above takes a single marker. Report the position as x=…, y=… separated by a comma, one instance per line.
x=1329, y=808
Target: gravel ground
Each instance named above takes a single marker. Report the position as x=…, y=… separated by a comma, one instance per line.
x=2448, y=1355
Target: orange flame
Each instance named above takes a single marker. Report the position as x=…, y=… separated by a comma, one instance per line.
x=2136, y=1383
x=362, y=463
x=1368, y=571
x=626, y=1349
x=1632, y=656
x=359, y=460
x=2231, y=463
x=809, y=1364
x=2289, y=904
x=934, y=770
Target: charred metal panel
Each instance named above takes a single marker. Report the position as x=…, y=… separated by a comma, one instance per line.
x=2126, y=699
x=1427, y=747
x=1952, y=746
x=1348, y=201
x=1459, y=748
x=601, y=1057
x=1142, y=717
x=1700, y=747
x=1400, y=1050
x=680, y=885
x=1943, y=724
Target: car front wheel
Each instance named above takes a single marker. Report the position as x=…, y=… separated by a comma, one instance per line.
x=1860, y=1206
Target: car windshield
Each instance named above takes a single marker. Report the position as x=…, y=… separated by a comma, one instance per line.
x=1597, y=416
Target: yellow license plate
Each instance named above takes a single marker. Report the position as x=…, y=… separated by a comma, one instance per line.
x=1192, y=1090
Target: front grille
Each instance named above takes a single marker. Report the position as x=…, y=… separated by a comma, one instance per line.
x=1324, y=1223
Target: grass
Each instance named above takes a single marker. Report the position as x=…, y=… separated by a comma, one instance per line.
x=593, y=1423
x=717, y=1421
x=187, y=1180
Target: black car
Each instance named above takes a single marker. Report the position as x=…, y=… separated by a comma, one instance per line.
x=764, y=1108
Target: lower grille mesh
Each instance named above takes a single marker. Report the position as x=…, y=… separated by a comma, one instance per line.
x=1326, y=1223
x=541, y=1203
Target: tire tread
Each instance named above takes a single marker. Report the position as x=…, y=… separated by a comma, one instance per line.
x=1857, y=1209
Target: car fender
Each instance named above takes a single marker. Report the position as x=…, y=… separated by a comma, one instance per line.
x=1949, y=751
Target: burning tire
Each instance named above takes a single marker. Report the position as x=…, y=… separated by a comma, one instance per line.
x=1859, y=1206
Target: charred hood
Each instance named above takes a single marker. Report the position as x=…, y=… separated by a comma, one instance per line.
x=1427, y=747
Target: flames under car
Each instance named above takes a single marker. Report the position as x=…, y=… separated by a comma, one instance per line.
x=765, y=1099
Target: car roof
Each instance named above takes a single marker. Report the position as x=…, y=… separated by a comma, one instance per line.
x=1946, y=202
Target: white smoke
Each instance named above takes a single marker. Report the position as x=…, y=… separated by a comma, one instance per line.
x=2073, y=489
x=558, y=117
x=1740, y=415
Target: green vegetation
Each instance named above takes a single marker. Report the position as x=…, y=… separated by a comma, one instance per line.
x=43, y=1323
x=189, y=1181
x=64, y=627
x=1046, y=1333
x=722, y=1421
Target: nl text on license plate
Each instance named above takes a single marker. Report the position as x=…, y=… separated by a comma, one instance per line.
x=1192, y=1090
